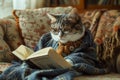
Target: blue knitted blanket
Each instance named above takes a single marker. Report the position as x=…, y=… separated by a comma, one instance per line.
x=84, y=61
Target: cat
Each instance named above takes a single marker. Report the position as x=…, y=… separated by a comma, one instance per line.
x=67, y=28
x=68, y=31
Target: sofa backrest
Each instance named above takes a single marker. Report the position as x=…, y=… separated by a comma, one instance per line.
x=108, y=37
x=34, y=22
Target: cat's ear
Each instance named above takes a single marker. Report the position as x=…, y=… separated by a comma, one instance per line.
x=52, y=18
x=73, y=15
x=74, y=11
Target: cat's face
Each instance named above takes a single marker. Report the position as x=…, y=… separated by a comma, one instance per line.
x=66, y=27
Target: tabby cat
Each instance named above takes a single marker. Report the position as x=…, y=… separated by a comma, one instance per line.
x=71, y=34
x=66, y=27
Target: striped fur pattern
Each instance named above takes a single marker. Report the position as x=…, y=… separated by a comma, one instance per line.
x=66, y=27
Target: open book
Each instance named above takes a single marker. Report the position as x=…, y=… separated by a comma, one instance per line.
x=45, y=58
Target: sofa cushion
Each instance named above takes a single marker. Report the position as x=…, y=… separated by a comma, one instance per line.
x=91, y=19
x=111, y=76
x=34, y=22
x=5, y=52
x=87, y=17
x=105, y=25
x=108, y=38
x=11, y=34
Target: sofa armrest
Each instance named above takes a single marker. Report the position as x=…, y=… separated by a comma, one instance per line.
x=11, y=33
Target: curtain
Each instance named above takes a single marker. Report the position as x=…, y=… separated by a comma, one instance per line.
x=34, y=4
x=28, y=4
x=17, y=4
x=6, y=8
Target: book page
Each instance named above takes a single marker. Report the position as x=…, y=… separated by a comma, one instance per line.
x=41, y=52
x=48, y=58
x=22, y=52
x=59, y=59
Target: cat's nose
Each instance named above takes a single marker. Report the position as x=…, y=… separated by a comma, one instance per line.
x=61, y=34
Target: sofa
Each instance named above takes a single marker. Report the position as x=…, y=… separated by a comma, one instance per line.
x=27, y=26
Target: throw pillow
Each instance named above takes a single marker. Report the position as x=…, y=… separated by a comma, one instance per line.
x=91, y=19
x=105, y=26
x=34, y=22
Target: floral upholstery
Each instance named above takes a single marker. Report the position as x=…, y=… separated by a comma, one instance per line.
x=4, y=65
x=87, y=17
x=105, y=25
x=90, y=19
x=108, y=38
x=34, y=23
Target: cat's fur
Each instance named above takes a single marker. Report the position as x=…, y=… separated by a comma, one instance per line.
x=66, y=27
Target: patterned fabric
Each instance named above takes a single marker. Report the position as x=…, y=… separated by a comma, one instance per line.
x=116, y=25
x=5, y=52
x=84, y=62
x=87, y=17
x=91, y=19
x=33, y=23
x=108, y=38
x=105, y=25
x=4, y=65
x=111, y=76
x=68, y=47
x=11, y=34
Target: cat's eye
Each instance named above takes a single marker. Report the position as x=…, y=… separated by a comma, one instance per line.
x=54, y=31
